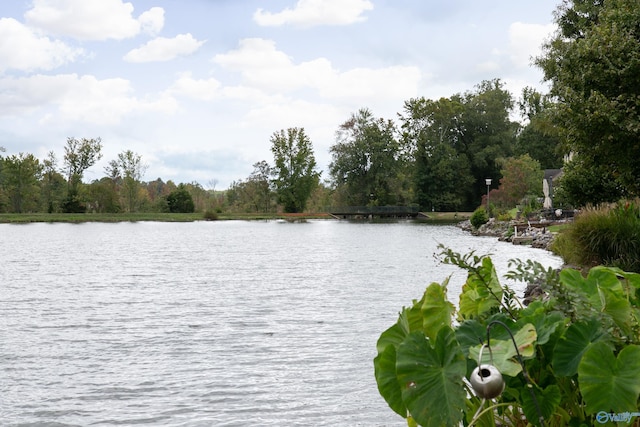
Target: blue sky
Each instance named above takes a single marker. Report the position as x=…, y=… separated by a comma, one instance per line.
x=197, y=87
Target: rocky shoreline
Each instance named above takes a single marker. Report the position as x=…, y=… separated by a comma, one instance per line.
x=536, y=235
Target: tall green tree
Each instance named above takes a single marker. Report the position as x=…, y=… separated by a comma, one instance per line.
x=127, y=171
x=575, y=17
x=199, y=195
x=295, y=168
x=3, y=196
x=442, y=174
x=539, y=138
x=103, y=196
x=21, y=179
x=487, y=134
x=368, y=162
x=255, y=194
x=593, y=64
x=53, y=184
x=79, y=155
x=260, y=185
x=584, y=183
x=456, y=143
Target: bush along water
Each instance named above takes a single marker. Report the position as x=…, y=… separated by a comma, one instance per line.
x=571, y=358
x=479, y=217
x=606, y=235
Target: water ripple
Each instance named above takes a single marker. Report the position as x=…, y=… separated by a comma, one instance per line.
x=200, y=324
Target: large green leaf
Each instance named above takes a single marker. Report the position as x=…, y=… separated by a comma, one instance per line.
x=605, y=293
x=544, y=322
x=436, y=310
x=392, y=336
x=546, y=402
x=618, y=308
x=470, y=333
x=482, y=291
x=388, y=385
x=411, y=318
x=632, y=278
x=573, y=344
x=385, y=362
x=573, y=280
x=608, y=383
x=430, y=374
x=503, y=353
x=604, y=277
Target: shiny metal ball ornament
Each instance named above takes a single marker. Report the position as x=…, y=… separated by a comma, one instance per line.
x=487, y=381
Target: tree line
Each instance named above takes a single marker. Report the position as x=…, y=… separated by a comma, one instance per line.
x=436, y=154
x=440, y=152
x=30, y=185
x=438, y=158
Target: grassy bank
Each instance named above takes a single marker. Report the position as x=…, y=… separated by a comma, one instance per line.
x=150, y=216
x=445, y=217
x=432, y=217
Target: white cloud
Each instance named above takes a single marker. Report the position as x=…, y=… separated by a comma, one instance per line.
x=309, y=13
x=20, y=49
x=77, y=98
x=264, y=67
x=92, y=19
x=254, y=53
x=164, y=49
x=152, y=21
x=24, y=95
x=261, y=65
x=525, y=41
x=203, y=89
x=368, y=84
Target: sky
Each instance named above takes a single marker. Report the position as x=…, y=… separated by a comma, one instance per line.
x=198, y=87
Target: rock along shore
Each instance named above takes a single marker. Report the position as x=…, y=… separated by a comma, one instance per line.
x=519, y=233
x=537, y=235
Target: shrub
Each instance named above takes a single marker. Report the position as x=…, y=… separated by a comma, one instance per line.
x=479, y=217
x=180, y=201
x=565, y=359
x=210, y=215
x=603, y=235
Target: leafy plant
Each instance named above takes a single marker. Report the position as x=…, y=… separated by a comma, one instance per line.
x=479, y=217
x=607, y=234
x=564, y=358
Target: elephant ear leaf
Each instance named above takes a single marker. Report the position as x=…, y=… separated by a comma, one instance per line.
x=388, y=385
x=544, y=405
x=436, y=309
x=609, y=383
x=503, y=353
x=573, y=344
x=385, y=362
x=481, y=293
x=430, y=374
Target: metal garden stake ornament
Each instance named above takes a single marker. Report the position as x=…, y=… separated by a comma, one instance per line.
x=486, y=380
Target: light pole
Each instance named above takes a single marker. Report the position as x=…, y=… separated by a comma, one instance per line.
x=488, y=182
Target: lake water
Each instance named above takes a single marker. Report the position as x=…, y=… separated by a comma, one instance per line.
x=211, y=323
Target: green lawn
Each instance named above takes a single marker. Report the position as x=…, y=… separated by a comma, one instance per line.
x=445, y=217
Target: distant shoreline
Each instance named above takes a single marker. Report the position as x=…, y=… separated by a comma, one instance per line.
x=25, y=218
